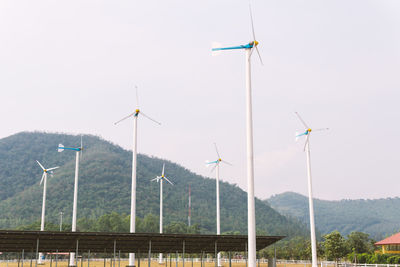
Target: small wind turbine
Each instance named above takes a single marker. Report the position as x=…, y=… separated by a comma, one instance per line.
x=251, y=213
x=160, y=180
x=216, y=167
x=307, y=133
x=44, y=181
x=78, y=151
x=135, y=116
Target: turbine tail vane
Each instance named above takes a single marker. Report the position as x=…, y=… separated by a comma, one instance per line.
x=60, y=148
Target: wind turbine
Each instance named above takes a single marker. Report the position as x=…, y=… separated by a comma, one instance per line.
x=160, y=180
x=78, y=151
x=307, y=133
x=44, y=181
x=251, y=213
x=216, y=167
x=135, y=116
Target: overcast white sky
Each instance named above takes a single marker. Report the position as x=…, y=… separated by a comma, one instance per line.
x=70, y=66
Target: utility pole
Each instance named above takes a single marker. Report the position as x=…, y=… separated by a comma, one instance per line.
x=61, y=217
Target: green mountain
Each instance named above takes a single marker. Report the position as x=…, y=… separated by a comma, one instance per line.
x=377, y=217
x=105, y=185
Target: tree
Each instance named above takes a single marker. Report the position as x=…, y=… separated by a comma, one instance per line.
x=335, y=246
x=360, y=242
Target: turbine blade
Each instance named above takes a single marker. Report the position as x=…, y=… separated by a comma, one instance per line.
x=224, y=161
x=216, y=149
x=320, y=129
x=213, y=168
x=81, y=151
x=137, y=97
x=301, y=119
x=307, y=140
x=252, y=24
x=41, y=166
x=259, y=56
x=163, y=167
x=124, y=118
x=53, y=168
x=41, y=181
x=168, y=180
x=150, y=118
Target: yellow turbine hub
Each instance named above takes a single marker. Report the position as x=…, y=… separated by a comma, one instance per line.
x=255, y=43
x=45, y=170
x=162, y=176
x=219, y=159
x=137, y=110
x=309, y=130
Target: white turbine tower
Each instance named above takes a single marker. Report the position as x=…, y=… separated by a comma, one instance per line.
x=44, y=181
x=78, y=151
x=135, y=116
x=216, y=167
x=251, y=213
x=160, y=179
x=307, y=133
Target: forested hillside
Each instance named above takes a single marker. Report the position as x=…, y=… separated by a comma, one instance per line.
x=377, y=217
x=105, y=184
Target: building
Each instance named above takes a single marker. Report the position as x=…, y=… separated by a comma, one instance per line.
x=390, y=245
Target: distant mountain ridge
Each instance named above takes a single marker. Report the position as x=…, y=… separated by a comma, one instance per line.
x=105, y=184
x=377, y=217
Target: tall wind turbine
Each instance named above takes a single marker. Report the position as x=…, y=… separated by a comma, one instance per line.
x=160, y=179
x=78, y=151
x=307, y=133
x=251, y=213
x=216, y=167
x=44, y=181
x=135, y=116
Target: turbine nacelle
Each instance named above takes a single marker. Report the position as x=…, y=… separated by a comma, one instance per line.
x=45, y=171
x=216, y=162
x=216, y=48
x=307, y=132
x=162, y=177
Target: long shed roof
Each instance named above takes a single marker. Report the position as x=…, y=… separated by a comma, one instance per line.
x=51, y=241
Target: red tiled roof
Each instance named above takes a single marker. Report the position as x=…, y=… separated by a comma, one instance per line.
x=391, y=240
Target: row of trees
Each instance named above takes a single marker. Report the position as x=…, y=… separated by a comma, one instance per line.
x=115, y=222
x=333, y=247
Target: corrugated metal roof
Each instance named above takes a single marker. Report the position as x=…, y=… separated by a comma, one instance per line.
x=391, y=240
x=13, y=241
